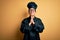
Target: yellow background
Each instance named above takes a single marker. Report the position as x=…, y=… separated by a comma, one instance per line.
x=14, y=11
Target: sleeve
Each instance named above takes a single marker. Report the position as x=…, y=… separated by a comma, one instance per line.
x=38, y=26
x=25, y=27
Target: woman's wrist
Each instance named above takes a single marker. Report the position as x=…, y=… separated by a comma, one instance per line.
x=29, y=23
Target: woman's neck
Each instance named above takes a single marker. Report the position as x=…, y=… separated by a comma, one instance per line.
x=32, y=16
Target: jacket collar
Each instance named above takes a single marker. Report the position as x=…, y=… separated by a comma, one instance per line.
x=33, y=18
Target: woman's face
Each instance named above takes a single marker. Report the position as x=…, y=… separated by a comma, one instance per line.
x=32, y=11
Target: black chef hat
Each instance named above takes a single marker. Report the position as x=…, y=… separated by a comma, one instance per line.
x=32, y=5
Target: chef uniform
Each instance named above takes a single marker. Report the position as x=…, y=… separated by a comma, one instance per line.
x=31, y=32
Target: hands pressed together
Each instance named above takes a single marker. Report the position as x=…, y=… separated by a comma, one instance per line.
x=31, y=21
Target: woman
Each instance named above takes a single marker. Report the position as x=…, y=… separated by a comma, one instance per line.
x=32, y=26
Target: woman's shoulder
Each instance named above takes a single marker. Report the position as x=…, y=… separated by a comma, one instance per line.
x=25, y=19
x=37, y=18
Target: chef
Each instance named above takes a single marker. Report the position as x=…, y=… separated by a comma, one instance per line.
x=32, y=26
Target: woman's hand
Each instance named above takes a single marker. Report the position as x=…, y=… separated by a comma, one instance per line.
x=31, y=21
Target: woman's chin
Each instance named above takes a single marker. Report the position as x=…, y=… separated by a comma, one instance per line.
x=32, y=15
